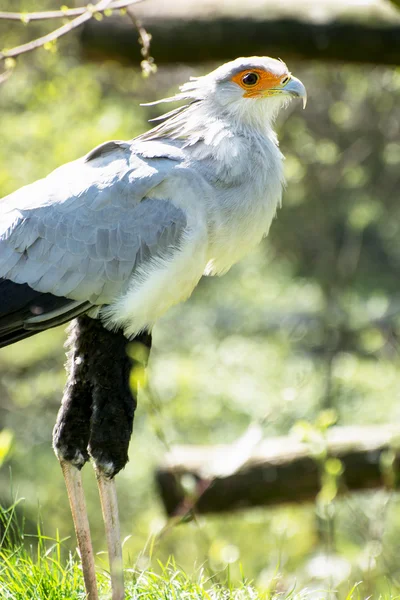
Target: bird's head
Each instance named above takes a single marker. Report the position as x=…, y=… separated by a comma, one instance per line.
x=246, y=91
x=252, y=83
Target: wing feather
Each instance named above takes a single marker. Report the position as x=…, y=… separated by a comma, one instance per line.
x=81, y=232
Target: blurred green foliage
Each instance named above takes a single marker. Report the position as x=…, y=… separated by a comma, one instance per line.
x=308, y=323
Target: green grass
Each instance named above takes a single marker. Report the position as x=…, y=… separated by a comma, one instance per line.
x=36, y=568
x=24, y=576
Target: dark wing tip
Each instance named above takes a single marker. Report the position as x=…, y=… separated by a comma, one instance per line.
x=24, y=311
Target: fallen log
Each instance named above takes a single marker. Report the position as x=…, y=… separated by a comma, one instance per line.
x=276, y=471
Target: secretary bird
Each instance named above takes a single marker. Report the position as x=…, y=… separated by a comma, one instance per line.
x=114, y=239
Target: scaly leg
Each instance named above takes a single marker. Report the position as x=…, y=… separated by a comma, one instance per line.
x=73, y=481
x=109, y=507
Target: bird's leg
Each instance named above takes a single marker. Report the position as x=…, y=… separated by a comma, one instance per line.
x=70, y=442
x=109, y=508
x=114, y=403
x=73, y=481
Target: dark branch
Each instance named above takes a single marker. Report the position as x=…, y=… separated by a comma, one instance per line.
x=199, y=40
x=280, y=470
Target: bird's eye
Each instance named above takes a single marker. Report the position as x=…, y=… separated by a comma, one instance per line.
x=250, y=79
x=285, y=80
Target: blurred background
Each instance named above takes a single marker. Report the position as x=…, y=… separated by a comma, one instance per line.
x=301, y=335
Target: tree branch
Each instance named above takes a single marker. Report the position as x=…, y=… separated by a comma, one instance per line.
x=82, y=15
x=199, y=39
x=148, y=65
x=277, y=471
x=88, y=13
x=5, y=75
x=61, y=14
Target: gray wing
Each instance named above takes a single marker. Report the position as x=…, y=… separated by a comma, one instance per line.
x=82, y=231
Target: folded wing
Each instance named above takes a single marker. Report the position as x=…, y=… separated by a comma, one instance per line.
x=73, y=240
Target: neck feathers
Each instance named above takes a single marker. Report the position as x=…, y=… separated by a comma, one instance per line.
x=201, y=122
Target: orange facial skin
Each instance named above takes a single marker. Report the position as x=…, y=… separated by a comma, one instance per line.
x=266, y=81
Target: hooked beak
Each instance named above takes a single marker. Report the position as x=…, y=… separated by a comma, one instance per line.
x=295, y=88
